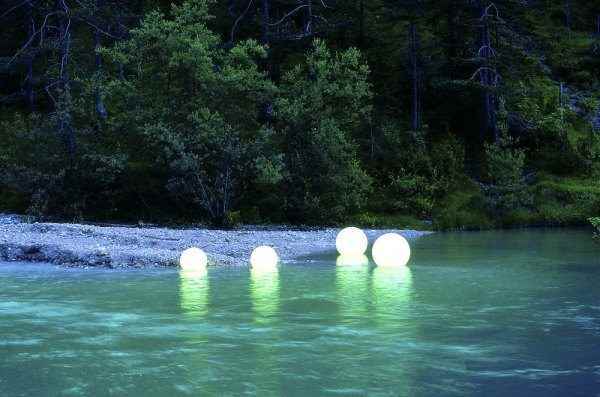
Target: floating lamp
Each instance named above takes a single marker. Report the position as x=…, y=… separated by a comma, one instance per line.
x=264, y=258
x=193, y=259
x=391, y=250
x=351, y=241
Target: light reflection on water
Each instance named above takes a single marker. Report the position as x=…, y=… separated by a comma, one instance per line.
x=264, y=294
x=193, y=292
x=264, y=290
x=489, y=314
x=392, y=287
x=381, y=296
x=352, y=285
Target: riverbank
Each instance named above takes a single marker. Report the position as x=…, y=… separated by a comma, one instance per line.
x=81, y=245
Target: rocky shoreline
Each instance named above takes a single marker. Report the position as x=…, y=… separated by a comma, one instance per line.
x=81, y=245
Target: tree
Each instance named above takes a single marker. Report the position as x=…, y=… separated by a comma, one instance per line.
x=320, y=108
x=412, y=10
x=195, y=103
x=489, y=78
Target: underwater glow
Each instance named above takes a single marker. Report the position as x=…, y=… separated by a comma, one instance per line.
x=264, y=290
x=391, y=250
x=351, y=241
x=392, y=292
x=193, y=291
x=264, y=257
x=352, y=260
x=352, y=281
x=392, y=279
x=193, y=259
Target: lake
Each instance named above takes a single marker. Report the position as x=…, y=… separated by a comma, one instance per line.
x=503, y=313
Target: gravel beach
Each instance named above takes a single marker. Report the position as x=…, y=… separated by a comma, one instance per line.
x=81, y=245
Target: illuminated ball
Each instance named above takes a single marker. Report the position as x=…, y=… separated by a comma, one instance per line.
x=354, y=260
x=264, y=257
x=391, y=250
x=351, y=241
x=193, y=259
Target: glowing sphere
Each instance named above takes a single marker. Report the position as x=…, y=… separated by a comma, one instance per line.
x=193, y=259
x=391, y=250
x=351, y=241
x=352, y=260
x=264, y=257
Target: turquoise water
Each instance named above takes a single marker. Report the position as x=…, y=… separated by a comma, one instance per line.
x=478, y=314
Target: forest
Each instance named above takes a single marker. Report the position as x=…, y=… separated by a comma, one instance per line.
x=446, y=114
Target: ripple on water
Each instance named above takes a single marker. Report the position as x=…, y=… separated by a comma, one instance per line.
x=98, y=340
x=473, y=324
x=20, y=342
x=31, y=309
x=535, y=374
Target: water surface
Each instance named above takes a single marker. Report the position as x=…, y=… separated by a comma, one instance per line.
x=477, y=314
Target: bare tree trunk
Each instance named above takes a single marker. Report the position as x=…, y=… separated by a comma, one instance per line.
x=562, y=102
x=122, y=34
x=451, y=20
x=265, y=21
x=267, y=108
x=561, y=93
x=63, y=110
x=487, y=79
x=308, y=28
x=415, y=77
x=100, y=108
x=361, y=26
x=29, y=92
x=567, y=10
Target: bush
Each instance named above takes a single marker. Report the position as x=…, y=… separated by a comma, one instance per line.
x=196, y=106
x=464, y=208
x=566, y=201
x=47, y=179
x=402, y=165
x=414, y=177
x=550, y=132
x=507, y=190
x=319, y=109
x=447, y=164
x=388, y=221
x=596, y=223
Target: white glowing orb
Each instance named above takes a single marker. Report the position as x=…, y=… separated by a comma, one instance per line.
x=193, y=259
x=351, y=241
x=391, y=250
x=352, y=260
x=264, y=257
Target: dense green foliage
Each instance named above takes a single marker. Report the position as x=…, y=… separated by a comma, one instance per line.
x=596, y=223
x=452, y=113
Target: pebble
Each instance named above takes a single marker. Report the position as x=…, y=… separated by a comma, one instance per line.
x=78, y=245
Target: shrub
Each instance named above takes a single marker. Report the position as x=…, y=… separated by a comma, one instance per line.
x=319, y=109
x=463, y=208
x=447, y=164
x=195, y=104
x=566, y=201
x=402, y=165
x=507, y=189
x=596, y=223
x=48, y=180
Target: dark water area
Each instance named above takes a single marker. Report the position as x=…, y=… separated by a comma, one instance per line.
x=504, y=313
